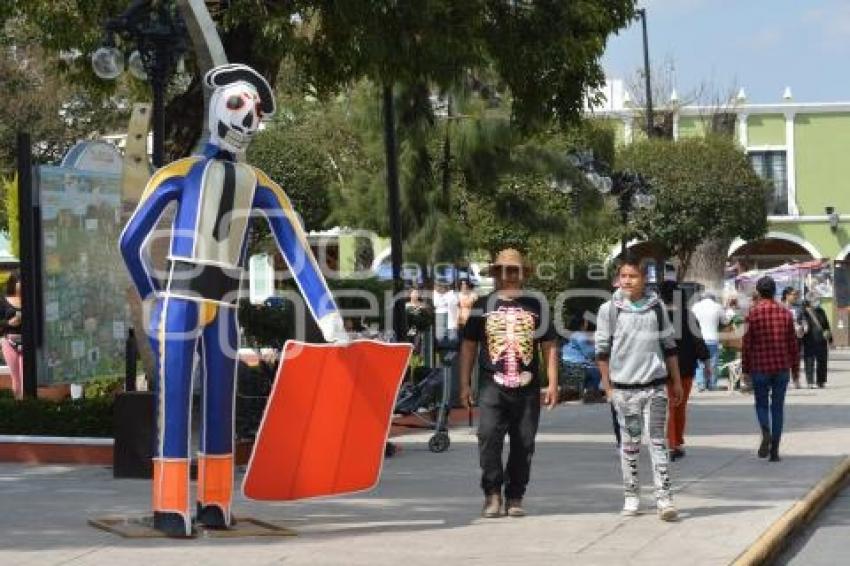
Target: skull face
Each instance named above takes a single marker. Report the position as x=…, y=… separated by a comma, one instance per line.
x=234, y=116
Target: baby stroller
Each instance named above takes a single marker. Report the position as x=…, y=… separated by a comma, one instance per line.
x=431, y=393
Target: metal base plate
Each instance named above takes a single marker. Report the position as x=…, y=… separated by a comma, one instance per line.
x=142, y=527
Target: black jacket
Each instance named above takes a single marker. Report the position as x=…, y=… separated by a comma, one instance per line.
x=691, y=345
x=814, y=340
x=7, y=313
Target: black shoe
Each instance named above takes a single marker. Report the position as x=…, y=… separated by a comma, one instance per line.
x=390, y=450
x=676, y=454
x=764, y=447
x=821, y=385
x=774, y=451
x=172, y=524
x=212, y=517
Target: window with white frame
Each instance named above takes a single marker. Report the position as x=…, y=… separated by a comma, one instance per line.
x=772, y=166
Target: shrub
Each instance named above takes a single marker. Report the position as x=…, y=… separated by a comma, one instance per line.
x=81, y=417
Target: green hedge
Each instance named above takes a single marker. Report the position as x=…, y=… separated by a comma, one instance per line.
x=82, y=417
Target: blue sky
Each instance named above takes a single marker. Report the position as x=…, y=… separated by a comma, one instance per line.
x=760, y=45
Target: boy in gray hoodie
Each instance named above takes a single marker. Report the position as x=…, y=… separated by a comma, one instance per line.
x=636, y=354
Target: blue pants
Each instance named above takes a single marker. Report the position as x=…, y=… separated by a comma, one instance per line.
x=702, y=382
x=179, y=330
x=592, y=378
x=769, y=389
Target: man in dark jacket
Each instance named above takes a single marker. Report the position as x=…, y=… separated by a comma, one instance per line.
x=691, y=348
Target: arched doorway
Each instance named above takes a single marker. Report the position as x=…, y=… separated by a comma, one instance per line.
x=775, y=249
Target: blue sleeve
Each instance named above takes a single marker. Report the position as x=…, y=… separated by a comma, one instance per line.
x=293, y=245
x=135, y=234
x=588, y=350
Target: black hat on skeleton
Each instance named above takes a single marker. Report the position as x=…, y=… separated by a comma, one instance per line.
x=224, y=75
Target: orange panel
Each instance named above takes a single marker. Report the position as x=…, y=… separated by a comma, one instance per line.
x=171, y=485
x=215, y=480
x=327, y=420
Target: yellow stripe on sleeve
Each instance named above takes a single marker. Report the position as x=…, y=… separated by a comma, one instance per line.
x=179, y=168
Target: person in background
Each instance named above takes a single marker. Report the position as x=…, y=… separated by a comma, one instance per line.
x=816, y=341
x=580, y=351
x=731, y=337
x=710, y=315
x=445, y=312
x=732, y=312
x=771, y=353
x=419, y=319
x=465, y=299
x=791, y=301
x=10, y=330
x=692, y=348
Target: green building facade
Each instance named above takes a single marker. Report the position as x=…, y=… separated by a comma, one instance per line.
x=803, y=150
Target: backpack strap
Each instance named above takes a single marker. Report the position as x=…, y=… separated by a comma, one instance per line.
x=659, y=320
x=613, y=314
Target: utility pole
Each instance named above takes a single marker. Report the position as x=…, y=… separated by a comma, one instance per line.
x=650, y=127
x=394, y=210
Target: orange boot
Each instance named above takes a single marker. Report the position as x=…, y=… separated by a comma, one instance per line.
x=215, y=490
x=171, y=497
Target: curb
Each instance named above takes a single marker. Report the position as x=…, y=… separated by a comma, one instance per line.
x=773, y=540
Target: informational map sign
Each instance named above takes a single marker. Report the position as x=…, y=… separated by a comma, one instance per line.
x=84, y=276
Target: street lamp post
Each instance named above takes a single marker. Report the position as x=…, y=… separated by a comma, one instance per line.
x=631, y=189
x=649, y=117
x=159, y=34
x=394, y=211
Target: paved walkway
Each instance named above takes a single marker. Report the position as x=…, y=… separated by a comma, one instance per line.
x=425, y=510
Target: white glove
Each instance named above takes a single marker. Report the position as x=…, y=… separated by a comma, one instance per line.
x=333, y=329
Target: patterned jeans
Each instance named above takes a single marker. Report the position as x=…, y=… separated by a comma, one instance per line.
x=638, y=409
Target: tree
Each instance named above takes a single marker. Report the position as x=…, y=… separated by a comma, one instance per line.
x=492, y=188
x=547, y=52
x=257, y=33
x=716, y=104
x=9, y=190
x=300, y=164
x=37, y=99
x=523, y=192
x=707, y=194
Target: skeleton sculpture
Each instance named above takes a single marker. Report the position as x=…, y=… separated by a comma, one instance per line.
x=194, y=301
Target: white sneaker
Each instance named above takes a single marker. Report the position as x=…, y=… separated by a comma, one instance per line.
x=667, y=511
x=631, y=506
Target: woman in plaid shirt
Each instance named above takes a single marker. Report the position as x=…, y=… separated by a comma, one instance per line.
x=770, y=356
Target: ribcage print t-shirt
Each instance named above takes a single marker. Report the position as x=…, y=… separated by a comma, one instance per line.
x=509, y=332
